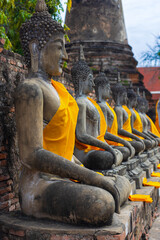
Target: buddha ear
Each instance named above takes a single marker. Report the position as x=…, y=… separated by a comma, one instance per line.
x=80, y=87
x=34, y=52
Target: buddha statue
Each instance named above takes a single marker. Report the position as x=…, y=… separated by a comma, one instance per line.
x=46, y=118
x=91, y=148
x=136, y=122
x=119, y=94
x=103, y=92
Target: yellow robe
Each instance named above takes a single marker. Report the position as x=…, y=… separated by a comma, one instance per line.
x=127, y=124
x=138, y=123
x=157, y=118
x=114, y=128
x=153, y=127
x=59, y=134
x=103, y=127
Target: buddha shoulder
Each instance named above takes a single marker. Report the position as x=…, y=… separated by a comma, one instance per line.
x=28, y=89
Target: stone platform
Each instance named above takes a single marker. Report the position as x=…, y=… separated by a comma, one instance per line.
x=132, y=224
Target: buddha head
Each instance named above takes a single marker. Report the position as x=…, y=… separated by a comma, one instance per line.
x=43, y=42
x=145, y=103
x=119, y=93
x=82, y=76
x=140, y=102
x=102, y=87
x=132, y=97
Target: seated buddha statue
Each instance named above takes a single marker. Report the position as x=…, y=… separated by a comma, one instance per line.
x=103, y=92
x=136, y=122
x=46, y=117
x=91, y=148
x=119, y=94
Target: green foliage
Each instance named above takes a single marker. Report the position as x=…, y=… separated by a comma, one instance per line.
x=152, y=56
x=15, y=12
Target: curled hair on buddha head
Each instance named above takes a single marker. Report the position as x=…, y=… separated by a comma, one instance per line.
x=118, y=88
x=139, y=100
x=101, y=79
x=40, y=27
x=80, y=71
x=131, y=93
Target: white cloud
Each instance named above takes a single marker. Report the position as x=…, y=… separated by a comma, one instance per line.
x=142, y=19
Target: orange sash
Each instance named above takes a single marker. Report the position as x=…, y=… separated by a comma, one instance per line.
x=153, y=127
x=114, y=128
x=138, y=123
x=59, y=134
x=127, y=124
x=157, y=118
x=103, y=126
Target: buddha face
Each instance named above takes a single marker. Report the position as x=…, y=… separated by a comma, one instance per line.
x=106, y=91
x=133, y=102
x=53, y=55
x=88, y=84
x=124, y=98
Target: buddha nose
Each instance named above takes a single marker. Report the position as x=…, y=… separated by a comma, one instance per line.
x=65, y=55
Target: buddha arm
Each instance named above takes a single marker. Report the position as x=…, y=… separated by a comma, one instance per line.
x=114, y=138
x=81, y=133
x=121, y=131
x=29, y=122
x=135, y=131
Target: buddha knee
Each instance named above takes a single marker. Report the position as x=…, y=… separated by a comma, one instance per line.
x=148, y=144
x=125, y=151
x=126, y=154
x=124, y=188
x=101, y=209
x=98, y=160
x=119, y=157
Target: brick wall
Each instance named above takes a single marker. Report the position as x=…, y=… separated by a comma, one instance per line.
x=12, y=70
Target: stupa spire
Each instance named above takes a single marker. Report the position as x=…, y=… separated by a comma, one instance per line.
x=96, y=20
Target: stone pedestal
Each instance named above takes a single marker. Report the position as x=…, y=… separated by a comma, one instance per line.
x=135, y=172
x=145, y=164
x=152, y=158
x=157, y=152
x=120, y=170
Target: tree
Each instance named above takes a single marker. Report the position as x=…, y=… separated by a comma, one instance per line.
x=14, y=12
x=152, y=56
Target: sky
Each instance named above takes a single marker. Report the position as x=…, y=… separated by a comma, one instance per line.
x=142, y=19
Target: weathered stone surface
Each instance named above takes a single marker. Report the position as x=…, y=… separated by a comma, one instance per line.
x=11, y=72
x=98, y=20
x=134, y=222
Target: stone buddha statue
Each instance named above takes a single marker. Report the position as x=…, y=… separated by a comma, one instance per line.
x=136, y=122
x=103, y=92
x=119, y=93
x=46, y=117
x=91, y=147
